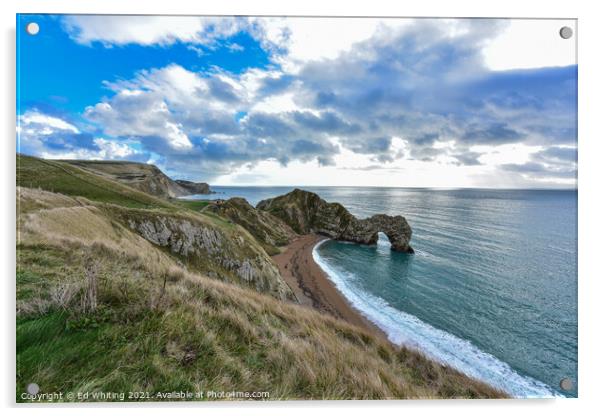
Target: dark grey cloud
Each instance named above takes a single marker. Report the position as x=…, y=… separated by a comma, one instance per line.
x=266, y=125
x=467, y=158
x=542, y=171
x=327, y=122
x=302, y=148
x=494, y=133
x=275, y=84
x=222, y=91
x=426, y=154
x=558, y=154
x=371, y=145
x=425, y=139
x=199, y=123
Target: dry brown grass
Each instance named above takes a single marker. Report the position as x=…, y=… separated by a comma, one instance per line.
x=165, y=327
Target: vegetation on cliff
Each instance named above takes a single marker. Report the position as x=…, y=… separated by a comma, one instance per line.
x=204, y=242
x=114, y=294
x=141, y=176
x=269, y=230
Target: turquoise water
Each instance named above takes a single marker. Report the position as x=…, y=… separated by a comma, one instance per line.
x=491, y=290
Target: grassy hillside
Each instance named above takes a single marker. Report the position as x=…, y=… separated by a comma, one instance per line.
x=101, y=306
x=98, y=313
x=112, y=213
x=67, y=179
x=141, y=176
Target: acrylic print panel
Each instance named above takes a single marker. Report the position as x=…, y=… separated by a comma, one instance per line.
x=253, y=208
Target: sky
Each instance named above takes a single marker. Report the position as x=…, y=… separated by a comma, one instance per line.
x=305, y=101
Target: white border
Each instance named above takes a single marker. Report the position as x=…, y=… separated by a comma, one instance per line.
x=590, y=151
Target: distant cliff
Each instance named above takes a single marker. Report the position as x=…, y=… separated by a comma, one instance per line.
x=194, y=188
x=142, y=176
x=306, y=212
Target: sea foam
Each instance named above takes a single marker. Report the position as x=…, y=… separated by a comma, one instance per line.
x=405, y=329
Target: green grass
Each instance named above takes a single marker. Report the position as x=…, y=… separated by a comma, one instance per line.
x=67, y=179
x=160, y=324
x=70, y=180
x=194, y=205
x=201, y=334
x=207, y=244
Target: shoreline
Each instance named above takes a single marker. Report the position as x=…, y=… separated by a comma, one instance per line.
x=313, y=288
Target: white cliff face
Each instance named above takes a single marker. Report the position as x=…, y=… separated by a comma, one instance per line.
x=229, y=256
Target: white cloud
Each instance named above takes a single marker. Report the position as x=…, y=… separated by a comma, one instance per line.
x=107, y=150
x=524, y=43
x=274, y=104
x=148, y=30
x=54, y=138
x=113, y=150
x=307, y=38
x=137, y=112
x=34, y=119
x=531, y=43
x=508, y=153
x=354, y=93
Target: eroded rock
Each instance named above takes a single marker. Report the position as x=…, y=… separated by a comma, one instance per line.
x=307, y=213
x=211, y=250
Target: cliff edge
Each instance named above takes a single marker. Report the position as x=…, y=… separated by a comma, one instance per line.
x=142, y=176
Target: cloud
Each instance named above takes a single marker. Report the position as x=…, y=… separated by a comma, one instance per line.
x=375, y=84
x=558, y=155
x=52, y=137
x=372, y=145
x=423, y=85
x=192, y=120
x=113, y=150
x=326, y=122
x=553, y=162
x=138, y=114
x=45, y=124
x=467, y=158
x=532, y=43
x=519, y=43
x=296, y=41
x=149, y=30
x=540, y=171
x=498, y=133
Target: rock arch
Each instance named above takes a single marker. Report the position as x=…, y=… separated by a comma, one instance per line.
x=365, y=231
x=306, y=212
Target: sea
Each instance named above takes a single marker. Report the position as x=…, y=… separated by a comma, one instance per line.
x=491, y=289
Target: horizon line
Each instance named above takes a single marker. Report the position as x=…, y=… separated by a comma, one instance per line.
x=553, y=188
x=441, y=188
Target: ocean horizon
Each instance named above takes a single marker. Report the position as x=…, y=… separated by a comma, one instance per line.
x=491, y=289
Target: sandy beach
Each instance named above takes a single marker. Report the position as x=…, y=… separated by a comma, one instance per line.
x=312, y=286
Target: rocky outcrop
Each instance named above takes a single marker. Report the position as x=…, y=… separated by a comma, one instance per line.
x=195, y=188
x=306, y=212
x=365, y=231
x=142, y=176
x=225, y=253
x=267, y=229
